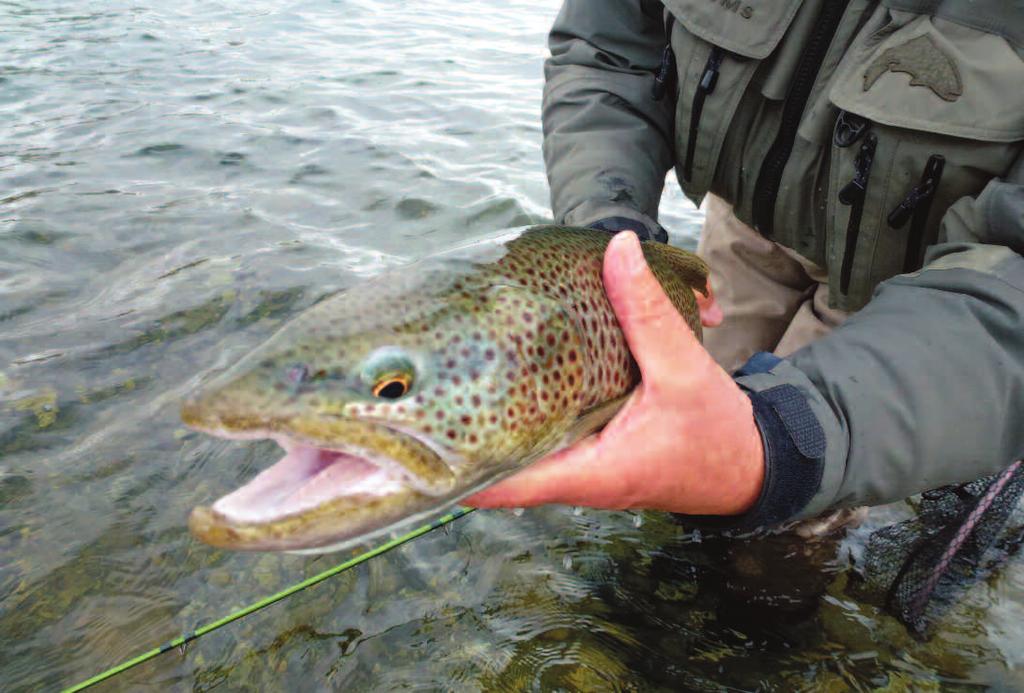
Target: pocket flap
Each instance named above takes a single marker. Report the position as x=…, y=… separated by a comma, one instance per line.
x=747, y=28
x=937, y=76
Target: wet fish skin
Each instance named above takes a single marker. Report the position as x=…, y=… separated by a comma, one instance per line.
x=506, y=348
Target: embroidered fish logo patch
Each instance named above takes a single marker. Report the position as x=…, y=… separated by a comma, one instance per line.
x=926, y=64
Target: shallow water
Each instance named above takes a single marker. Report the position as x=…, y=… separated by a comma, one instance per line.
x=176, y=180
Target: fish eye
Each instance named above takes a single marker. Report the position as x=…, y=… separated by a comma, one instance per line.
x=389, y=373
x=392, y=386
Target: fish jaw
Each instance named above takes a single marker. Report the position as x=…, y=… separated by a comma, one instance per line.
x=338, y=481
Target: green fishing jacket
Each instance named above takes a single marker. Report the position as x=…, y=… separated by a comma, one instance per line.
x=882, y=140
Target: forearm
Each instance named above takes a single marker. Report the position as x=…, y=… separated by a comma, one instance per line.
x=920, y=389
x=607, y=142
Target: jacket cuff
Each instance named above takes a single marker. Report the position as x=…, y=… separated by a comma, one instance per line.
x=794, y=448
x=807, y=458
x=615, y=218
x=643, y=231
x=803, y=447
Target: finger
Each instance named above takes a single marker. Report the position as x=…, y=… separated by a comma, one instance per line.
x=549, y=480
x=711, y=314
x=658, y=336
x=572, y=477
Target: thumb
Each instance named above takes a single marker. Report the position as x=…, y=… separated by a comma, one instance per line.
x=657, y=334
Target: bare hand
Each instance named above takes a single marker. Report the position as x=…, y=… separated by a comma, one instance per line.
x=685, y=441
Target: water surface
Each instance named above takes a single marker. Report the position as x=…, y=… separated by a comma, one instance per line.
x=176, y=179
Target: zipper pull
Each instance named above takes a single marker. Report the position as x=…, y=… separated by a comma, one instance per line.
x=855, y=189
x=667, y=67
x=849, y=128
x=901, y=214
x=710, y=77
x=708, y=80
x=661, y=79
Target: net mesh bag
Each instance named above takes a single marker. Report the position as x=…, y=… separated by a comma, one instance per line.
x=960, y=535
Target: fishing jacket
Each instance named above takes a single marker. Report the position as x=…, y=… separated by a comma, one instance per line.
x=881, y=140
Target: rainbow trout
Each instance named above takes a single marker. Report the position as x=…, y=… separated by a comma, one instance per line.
x=394, y=399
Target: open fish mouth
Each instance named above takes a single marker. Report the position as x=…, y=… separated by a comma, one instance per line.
x=306, y=478
x=321, y=496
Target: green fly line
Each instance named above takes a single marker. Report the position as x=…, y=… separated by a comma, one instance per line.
x=182, y=640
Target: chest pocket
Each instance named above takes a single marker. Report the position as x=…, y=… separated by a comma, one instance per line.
x=718, y=46
x=929, y=111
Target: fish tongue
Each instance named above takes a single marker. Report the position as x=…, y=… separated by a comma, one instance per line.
x=255, y=500
x=303, y=479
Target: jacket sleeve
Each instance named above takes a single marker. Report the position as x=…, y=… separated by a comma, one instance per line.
x=607, y=141
x=923, y=387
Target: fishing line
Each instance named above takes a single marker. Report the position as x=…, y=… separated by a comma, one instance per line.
x=186, y=638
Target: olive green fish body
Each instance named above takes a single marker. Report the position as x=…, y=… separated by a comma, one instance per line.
x=405, y=393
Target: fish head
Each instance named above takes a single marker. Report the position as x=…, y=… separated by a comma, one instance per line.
x=387, y=398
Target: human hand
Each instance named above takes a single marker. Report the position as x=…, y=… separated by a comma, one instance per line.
x=684, y=442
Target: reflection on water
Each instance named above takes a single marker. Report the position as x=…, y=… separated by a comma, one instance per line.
x=177, y=179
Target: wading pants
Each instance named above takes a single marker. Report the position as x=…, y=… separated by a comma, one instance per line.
x=773, y=299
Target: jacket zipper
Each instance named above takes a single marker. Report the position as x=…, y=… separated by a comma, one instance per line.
x=708, y=80
x=766, y=190
x=915, y=208
x=852, y=195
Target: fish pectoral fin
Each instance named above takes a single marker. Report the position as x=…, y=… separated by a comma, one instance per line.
x=593, y=420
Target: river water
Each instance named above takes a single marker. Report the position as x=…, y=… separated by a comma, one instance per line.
x=176, y=179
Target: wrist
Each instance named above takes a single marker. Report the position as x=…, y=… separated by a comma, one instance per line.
x=791, y=456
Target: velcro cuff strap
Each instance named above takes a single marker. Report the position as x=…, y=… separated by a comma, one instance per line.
x=616, y=224
x=794, y=451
